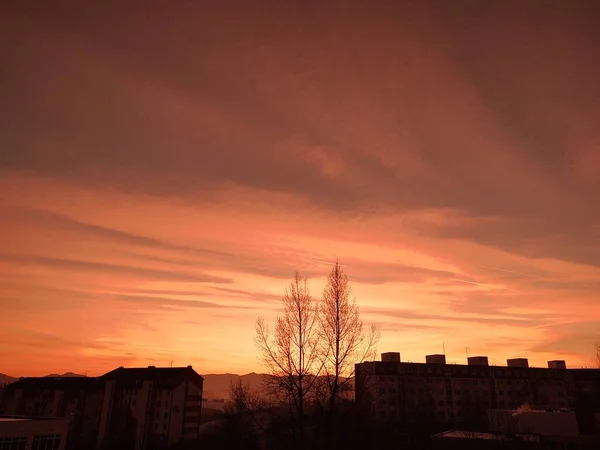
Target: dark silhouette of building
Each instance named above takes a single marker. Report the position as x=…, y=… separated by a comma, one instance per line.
x=150, y=408
x=441, y=395
x=133, y=409
x=78, y=399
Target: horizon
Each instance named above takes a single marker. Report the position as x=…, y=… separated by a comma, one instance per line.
x=165, y=173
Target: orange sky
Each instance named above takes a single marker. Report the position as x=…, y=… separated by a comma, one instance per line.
x=164, y=171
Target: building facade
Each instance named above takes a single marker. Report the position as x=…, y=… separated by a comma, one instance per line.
x=77, y=399
x=438, y=393
x=150, y=408
x=32, y=433
x=130, y=408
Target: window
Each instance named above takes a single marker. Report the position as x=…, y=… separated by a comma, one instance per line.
x=158, y=414
x=500, y=392
x=441, y=403
x=44, y=442
x=457, y=392
x=165, y=427
x=13, y=443
x=166, y=414
x=158, y=403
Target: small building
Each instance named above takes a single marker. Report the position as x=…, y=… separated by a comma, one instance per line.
x=33, y=433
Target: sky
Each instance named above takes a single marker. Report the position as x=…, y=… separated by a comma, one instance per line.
x=165, y=167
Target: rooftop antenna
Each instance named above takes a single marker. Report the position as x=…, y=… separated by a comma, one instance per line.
x=444, y=347
x=467, y=352
x=172, y=363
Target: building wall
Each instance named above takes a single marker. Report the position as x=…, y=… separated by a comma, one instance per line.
x=419, y=392
x=35, y=429
x=193, y=412
x=105, y=413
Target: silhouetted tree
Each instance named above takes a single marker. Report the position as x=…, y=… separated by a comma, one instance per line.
x=598, y=355
x=290, y=352
x=343, y=338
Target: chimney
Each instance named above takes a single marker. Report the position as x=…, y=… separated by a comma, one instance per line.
x=435, y=359
x=477, y=361
x=189, y=367
x=557, y=364
x=390, y=357
x=517, y=362
x=151, y=367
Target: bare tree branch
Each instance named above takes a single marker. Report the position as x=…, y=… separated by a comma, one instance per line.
x=343, y=339
x=290, y=352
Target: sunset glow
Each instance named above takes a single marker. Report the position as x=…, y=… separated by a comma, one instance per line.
x=164, y=172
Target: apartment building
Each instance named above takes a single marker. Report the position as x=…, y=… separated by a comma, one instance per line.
x=150, y=408
x=77, y=399
x=130, y=408
x=438, y=393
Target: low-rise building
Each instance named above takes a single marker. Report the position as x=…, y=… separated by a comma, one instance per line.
x=521, y=429
x=33, y=433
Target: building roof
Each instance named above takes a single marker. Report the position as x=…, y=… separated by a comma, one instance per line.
x=463, y=434
x=160, y=375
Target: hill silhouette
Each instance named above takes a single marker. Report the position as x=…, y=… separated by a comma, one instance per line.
x=66, y=374
x=216, y=385
x=6, y=379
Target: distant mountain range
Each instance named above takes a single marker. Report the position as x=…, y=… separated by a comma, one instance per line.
x=6, y=379
x=67, y=374
x=216, y=386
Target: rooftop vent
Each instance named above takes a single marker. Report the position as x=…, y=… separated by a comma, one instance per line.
x=478, y=361
x=435, y=359
x=390, y=357
x=557, y=364
x=517, y=362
